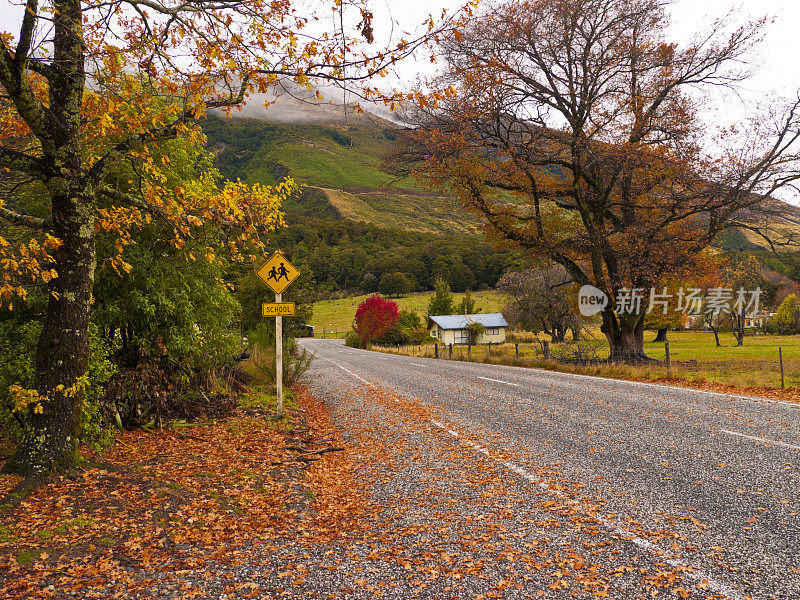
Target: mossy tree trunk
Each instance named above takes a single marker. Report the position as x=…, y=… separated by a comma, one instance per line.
x=50, y=439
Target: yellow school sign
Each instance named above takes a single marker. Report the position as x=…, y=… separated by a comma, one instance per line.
x=277, y=309
x=278, y=273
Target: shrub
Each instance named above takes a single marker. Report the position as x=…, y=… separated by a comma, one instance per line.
x=353, y=340
x=475, y=331
x=374, y=317
x=406, y=330
x=296, y=362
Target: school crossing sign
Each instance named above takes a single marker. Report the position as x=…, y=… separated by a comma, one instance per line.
x=278, y=273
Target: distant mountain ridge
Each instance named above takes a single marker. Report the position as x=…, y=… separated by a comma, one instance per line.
x=339, y=163
x=299, y=106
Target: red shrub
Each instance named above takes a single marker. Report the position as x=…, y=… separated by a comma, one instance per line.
x=374, y=317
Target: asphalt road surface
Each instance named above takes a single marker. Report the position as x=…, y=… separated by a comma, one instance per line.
x=559, y=485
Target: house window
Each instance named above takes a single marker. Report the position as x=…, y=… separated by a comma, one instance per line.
x=461, y=336
x=493, y=331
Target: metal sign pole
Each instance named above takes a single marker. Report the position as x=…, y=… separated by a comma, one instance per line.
x=279, y=359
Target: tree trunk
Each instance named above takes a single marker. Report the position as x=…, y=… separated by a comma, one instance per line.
x=716, y=336
x=625, y=337
x=50, y=439
x=576, y=334
x=661, y=336
x=738, y=328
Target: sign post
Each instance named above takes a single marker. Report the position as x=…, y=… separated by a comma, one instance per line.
x=279, y=361
x=278, y=273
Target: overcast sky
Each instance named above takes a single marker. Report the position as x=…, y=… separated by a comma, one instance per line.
x=779, y=56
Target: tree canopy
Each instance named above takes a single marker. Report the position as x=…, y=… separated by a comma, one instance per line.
x=374, y=317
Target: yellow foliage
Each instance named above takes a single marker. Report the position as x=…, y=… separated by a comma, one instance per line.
x=24, y=398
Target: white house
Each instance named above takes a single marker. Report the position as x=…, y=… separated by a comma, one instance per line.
x=452, y=329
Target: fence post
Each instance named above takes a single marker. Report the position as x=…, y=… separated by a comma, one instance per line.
x=469, y=350
x=436, y=350
x=516, y=348
x=546, y=349
x=490, y=349
x=669, y=360
x=450, y=350
x=780, y=358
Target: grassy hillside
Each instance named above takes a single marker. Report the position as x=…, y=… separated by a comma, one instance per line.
x=340, y=165
x=337, y=315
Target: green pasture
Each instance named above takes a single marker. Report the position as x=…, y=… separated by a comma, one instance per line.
x=337, y=315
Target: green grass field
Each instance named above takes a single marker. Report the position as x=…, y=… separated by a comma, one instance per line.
x=337, y=315
x=401, y=209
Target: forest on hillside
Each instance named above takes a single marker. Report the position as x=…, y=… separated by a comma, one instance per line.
x=351, y=256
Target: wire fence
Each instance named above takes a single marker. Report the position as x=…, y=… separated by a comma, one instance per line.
x=775, y=371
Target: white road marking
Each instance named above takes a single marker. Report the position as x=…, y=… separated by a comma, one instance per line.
x=418, y=365
x=760, y=439
x=499, y=381
x=346, y=370
x=694, y=573
x=528, y=371
x=440, y=426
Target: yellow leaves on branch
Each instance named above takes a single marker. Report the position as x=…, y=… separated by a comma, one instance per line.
x=25, y=263
x=24, y=399
x=196, y=209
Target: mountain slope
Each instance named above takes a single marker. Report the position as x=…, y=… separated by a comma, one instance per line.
x=339, y=165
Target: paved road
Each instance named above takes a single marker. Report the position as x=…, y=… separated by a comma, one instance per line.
x=698, y=492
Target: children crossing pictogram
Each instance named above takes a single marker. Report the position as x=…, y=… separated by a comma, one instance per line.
x=278, y=273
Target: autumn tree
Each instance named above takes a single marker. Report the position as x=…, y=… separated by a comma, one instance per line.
x=89, y=87
x=786, y=320
x=541, y=300
x=374, y=317
x=572, y=127
x=750, y=291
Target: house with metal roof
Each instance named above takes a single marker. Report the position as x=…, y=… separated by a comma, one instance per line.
x=452, y=329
